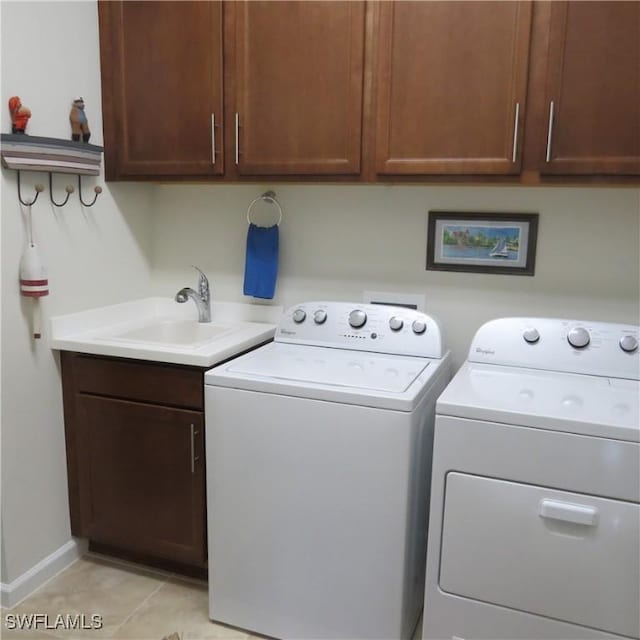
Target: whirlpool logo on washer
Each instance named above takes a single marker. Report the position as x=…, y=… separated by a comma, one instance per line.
x=485, y=352
x=286, y=332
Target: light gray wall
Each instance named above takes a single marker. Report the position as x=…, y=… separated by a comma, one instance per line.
x=337, y=241
x=95, y=256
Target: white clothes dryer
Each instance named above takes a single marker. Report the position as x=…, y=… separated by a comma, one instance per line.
x=534, y=525
x=318, y=463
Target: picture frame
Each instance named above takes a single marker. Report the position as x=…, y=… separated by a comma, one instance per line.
x=481, y=242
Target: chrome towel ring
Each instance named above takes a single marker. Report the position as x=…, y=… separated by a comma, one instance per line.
x=267, y=196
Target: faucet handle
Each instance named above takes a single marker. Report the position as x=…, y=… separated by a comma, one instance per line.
x=203, y=283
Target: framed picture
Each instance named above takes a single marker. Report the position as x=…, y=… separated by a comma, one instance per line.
x=482, y=242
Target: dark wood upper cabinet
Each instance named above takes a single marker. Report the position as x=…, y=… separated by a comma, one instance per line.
x=451, y=87
x=593, y=89
x=498, y=91
x=298, y=77
x=162, y=88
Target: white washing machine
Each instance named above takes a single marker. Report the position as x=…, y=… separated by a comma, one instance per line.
x=318, y=463
x=534, y=525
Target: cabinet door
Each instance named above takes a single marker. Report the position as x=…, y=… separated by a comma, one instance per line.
x=593, y=89
x=451, y=87
x=299, y=74
x=162, y=88
x=144, y=470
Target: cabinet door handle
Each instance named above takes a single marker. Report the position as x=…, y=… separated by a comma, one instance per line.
x=550, y=131
x=213, y=138
x=237, y=137
x=568, y=512
x=194, y=458
x=515, y=133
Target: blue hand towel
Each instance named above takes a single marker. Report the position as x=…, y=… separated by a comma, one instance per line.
x=261, y=263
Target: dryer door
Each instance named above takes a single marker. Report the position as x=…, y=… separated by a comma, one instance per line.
x=562, y=555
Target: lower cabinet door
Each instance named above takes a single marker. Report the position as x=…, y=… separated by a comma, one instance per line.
x=145, y=473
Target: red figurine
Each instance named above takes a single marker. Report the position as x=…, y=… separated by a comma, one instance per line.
x=19, y=115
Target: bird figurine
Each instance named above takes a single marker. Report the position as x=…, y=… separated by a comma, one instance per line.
x=79, y=122
x=19, y=115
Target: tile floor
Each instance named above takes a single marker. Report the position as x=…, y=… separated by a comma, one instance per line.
x=135, y=603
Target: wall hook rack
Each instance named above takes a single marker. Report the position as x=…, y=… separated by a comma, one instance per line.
x=51, y=155
x=39, y=189
x=97, y=190
x=69, y=189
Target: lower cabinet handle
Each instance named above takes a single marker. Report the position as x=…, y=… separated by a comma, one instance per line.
x=193, y=448
x=568, y=512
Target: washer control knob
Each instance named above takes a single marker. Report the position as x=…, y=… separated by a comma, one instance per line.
x=357, y=318
x=578, y=337
x=395, y=323
x=419, y=326
x=629, y=343
x=320, y=316
x=531, y=335
x=299, y=316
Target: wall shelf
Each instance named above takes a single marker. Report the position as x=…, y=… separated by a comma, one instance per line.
x=52, y=155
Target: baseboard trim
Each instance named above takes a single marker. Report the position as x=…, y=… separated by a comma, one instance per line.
x=13, y=593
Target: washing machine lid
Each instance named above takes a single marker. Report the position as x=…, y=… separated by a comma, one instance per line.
x=573, y=403
x=343, y=375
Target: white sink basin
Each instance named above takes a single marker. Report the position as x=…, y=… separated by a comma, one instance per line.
x=184, y=333
x=160, y=329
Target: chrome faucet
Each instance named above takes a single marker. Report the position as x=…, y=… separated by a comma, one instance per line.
x=202, y=297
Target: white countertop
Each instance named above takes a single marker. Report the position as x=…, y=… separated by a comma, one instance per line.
x=100, y=331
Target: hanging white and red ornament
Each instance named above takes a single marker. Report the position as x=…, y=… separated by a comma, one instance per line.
x=34, y=281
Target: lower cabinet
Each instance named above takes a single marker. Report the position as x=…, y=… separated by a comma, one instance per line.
x=136, y=457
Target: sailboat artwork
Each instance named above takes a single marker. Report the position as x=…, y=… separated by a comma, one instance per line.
x=500, y=250
x=480, y=242
x=490, y=243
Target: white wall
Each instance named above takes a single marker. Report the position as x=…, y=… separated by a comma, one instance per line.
x=337, y=241
x=95, y=256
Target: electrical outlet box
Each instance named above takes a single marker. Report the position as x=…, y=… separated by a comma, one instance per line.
x=409, y=300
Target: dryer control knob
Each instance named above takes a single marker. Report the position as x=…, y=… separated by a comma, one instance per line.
x=395, y=323
x=531, y=335
x=320, y=316
x=629, y=343
x=578, y=337
x=419, y=326
x=299, y=315
x=357, y=318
